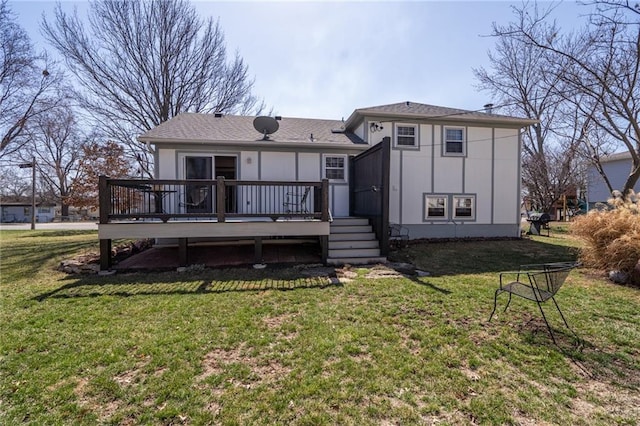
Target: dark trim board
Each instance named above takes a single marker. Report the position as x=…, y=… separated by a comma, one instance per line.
x=462, y=230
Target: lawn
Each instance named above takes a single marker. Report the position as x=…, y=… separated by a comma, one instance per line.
x=294, y=346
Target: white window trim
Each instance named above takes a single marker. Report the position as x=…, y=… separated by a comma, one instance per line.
x=345, y=168
x=444, y=142
x=416, y=136
x=427, y=197
x=474, y=207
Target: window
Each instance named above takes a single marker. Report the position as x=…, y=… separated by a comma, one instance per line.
x=334, y=168
x=464, y=207
x=436, y=207
x=454, y=141
x=406, y=136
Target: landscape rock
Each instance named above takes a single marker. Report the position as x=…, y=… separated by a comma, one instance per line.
x=618, y=277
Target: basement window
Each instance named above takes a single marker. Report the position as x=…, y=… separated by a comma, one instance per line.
x=464, y=207
x=435, y=207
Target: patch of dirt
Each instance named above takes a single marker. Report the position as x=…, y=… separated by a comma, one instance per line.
x=127, y=378
x=86, y=399
x=276, y=322
x=262, y=371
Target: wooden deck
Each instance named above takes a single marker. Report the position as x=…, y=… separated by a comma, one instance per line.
x=216, y=209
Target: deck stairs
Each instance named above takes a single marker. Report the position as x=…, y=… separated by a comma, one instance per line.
x=352, y=241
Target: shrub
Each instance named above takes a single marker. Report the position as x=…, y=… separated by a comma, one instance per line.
x=611, y=236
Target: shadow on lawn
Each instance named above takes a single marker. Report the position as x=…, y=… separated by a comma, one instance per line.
x=481, y=256
x=609, y=365
x=200, y=282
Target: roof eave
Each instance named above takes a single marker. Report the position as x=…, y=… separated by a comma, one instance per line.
x=257, y=143
x=359, y=115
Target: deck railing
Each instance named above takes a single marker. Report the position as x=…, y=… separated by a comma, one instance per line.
x=219, y=199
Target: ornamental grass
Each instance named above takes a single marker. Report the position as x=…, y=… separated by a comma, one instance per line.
x=611, y=236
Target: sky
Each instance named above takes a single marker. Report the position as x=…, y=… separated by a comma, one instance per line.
x=326, y=59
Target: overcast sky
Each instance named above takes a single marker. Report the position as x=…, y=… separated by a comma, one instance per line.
x=325, y=59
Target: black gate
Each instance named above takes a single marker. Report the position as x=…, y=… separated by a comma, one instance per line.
x=370, y=189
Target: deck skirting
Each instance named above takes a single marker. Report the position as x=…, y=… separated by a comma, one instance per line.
x=191, y=229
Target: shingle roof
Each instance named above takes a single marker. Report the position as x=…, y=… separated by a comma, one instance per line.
x=413, y=110
x=203, y=128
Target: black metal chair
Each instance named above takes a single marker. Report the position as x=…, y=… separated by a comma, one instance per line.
x=538, y=283
x=196, y=198
x=398, y=234
x=296, y=201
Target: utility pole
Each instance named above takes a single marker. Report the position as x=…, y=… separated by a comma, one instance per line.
x=33, y=193
x=32, y=165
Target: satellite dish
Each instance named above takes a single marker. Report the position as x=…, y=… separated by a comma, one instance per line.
x=266, y=126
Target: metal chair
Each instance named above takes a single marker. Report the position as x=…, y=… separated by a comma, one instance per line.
x=399, y=234
x=296, y=201
x=196, y=197
x=538, y=283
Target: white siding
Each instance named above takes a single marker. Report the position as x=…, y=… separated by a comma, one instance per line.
x=617, y=171
x=166, y=167
x=376, y=137
x=309, y=167
x=359, y=131
x=339, y=200
x=395, y=188
x=478, y=171
x=279, y=166
x=506, y=178
x=248, y=165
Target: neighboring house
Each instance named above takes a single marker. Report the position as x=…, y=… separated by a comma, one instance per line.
x=12, y=212
x=617, y=168
x=439, y=172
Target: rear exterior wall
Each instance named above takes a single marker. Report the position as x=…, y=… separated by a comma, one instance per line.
x=486, y=174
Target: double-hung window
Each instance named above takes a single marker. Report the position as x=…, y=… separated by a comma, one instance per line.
x=406, y=135
x=334, y=167
x=454, y=141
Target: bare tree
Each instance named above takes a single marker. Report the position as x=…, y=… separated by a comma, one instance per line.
x=518, y=80
x=140, y=63
x=599, y=68
x=26, y=81
x=55, y=142
x=14, y=184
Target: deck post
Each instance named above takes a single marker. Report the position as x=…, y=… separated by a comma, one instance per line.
x=103, y=198
x=324, y=247
x=105, y=254
x=325, y=200
x=183, y=258
x=258, y=250
x=220, y=191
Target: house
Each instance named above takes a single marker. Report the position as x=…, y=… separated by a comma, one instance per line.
x=20, y=211
x=438, y=172
x=617, y=168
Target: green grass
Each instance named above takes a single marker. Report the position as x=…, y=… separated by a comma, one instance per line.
x=289, y=346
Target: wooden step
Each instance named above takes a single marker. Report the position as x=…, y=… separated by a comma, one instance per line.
x=350, y=229
x=356, y=260
x=352, y=236
x=356, y=252
x=353, y=244
x=353, y=221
